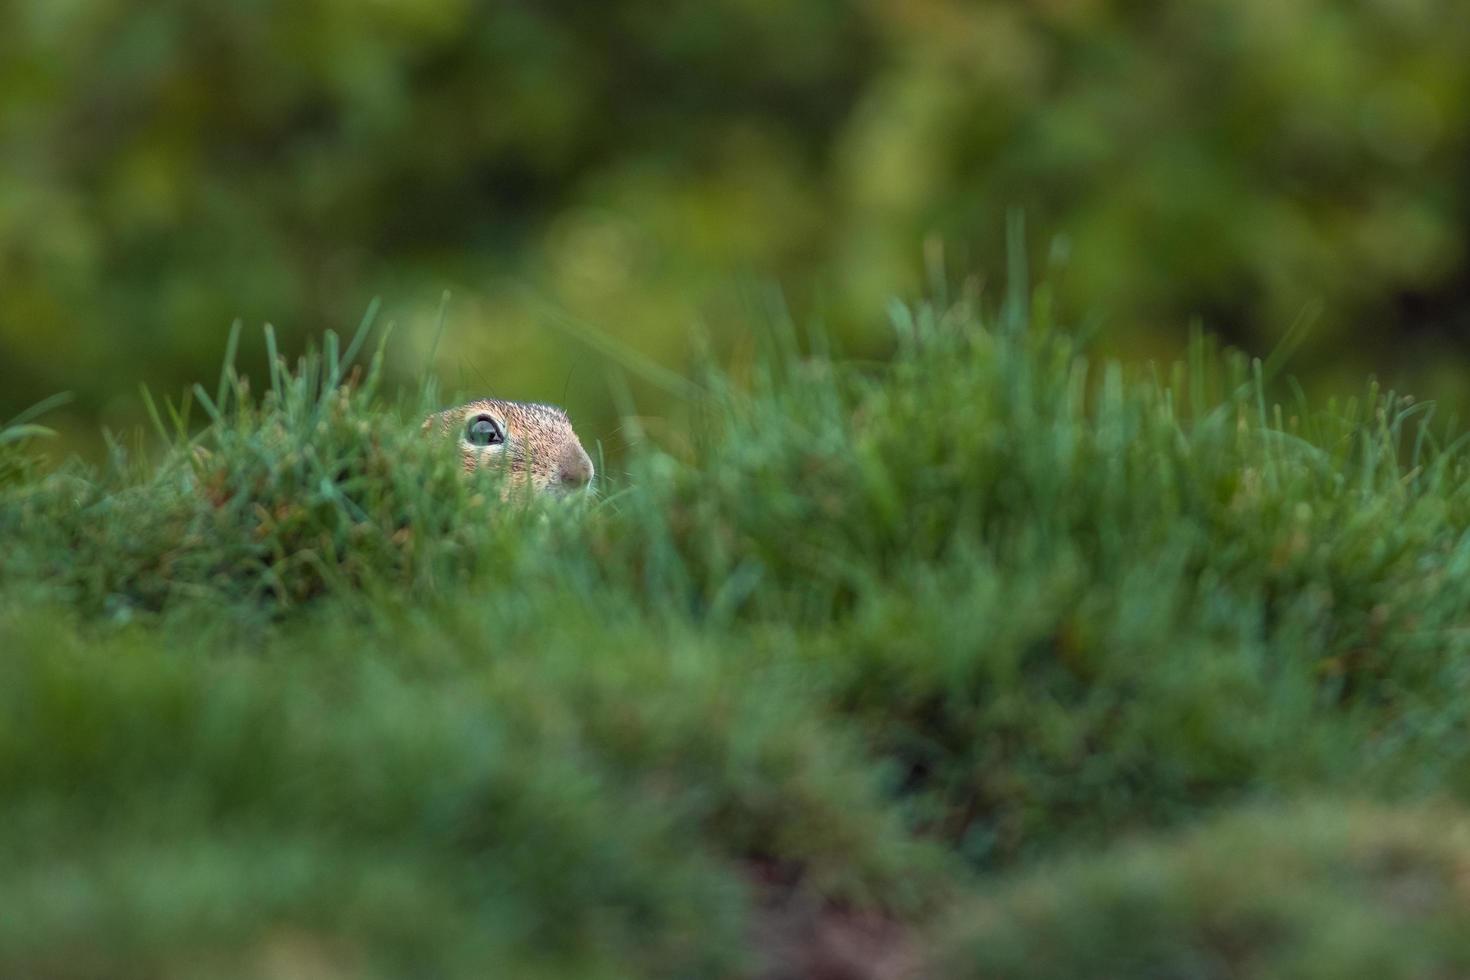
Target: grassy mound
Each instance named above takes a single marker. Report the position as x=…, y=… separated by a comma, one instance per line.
x=857, y=635
x=1305, y=891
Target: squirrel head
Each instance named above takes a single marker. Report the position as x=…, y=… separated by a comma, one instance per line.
x=533, y=443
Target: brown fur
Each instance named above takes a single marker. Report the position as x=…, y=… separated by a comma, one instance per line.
x=540, y=452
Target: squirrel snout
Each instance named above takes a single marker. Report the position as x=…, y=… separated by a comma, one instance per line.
x=576, y=468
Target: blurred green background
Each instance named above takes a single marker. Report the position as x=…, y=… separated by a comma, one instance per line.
x=652, y=168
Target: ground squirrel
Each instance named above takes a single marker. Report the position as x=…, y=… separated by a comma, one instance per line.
x=534, y=442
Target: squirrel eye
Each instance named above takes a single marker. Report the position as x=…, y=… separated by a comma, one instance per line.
x=484, y=431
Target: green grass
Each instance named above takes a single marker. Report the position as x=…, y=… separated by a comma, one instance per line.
x=855, y=643
x=1305, y=891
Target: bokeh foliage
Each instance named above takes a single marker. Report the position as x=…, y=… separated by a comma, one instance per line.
x=169, y=165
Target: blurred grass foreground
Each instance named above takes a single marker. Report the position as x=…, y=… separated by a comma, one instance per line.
x=987, y=661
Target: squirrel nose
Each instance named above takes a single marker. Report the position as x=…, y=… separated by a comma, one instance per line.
x=576, y=468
